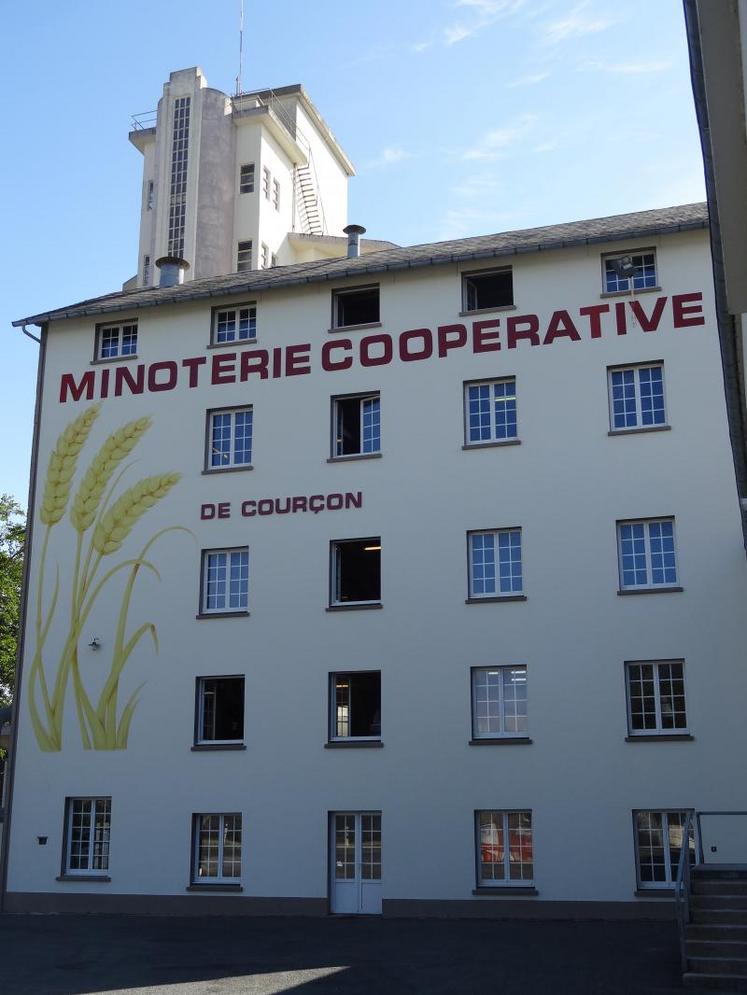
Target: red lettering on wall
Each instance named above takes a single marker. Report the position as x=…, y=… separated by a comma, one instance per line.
x=299, y=504
x=207, y=511
x=123, y=375
x=561, y=325
x=530, y=330
x=648, y=324
x=328, y=364
x=621, y=318
x=594, y=313
x=373, y=340
x=451, y=337
x=76, y=391
x=483, y=341
x=224, y=509
x=254, y=361
x=249, y=509
x=168, y=367
x=354, y=499
x=297, y=360
x=277, y=368
x=104, y=391
x=224, y=368
x=426, y=350
x=684, y=315
x=193, y=366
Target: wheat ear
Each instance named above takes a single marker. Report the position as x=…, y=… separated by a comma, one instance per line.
x=99, y=473
x=62, y=464
x=119, y=521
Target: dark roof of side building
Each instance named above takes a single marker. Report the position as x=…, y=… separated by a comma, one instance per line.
x=642, y=224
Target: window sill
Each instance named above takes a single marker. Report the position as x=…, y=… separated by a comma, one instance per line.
x=210, y=747
x=501, y=741
x=231, y=344
x=352, y=457
x=201, y=615
x=355, y=328
x=113, y=359
x=354, y=608
x=492, y=445
x=629, y=293
x=506, y=890
x=639, y=431
x=487, y=310
x=654, y=893
x=649, y=590
x=214, y=887
x=363, y=744
x=226, y=469
x=495, y=600
x=677, y=737
x=100, y=878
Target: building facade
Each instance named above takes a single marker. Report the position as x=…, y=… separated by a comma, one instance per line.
x=408, y=583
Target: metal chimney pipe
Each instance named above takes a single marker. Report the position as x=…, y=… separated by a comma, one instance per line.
x=354, y=233
x=172, y=270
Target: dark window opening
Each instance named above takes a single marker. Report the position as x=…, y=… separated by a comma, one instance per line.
x=355, y=307
x=357, y=566
x=221, y=716
x=357, y=423
x=488, y=290
x=356, y=705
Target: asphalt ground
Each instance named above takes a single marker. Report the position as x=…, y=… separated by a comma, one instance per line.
x=78, y=955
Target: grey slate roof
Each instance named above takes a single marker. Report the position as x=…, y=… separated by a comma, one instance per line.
x=621, y=227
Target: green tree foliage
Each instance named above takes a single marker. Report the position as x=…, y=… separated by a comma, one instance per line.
x=12, y=542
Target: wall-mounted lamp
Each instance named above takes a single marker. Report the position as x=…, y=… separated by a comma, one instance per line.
x=41, y=840
x=95, y=643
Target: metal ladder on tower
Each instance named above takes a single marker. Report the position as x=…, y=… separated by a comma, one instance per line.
x=309, y=201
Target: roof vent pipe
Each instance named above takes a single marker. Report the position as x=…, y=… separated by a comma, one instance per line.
x=172, y=270
x=354, y=233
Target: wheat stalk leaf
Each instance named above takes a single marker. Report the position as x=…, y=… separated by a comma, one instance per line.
x=96, y=479
x=124, y=514
x=62, y=464
x=125, y=721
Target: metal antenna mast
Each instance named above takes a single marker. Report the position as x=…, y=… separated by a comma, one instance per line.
x=241, y=46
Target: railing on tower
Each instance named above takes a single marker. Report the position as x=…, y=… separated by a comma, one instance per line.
x=141, y=122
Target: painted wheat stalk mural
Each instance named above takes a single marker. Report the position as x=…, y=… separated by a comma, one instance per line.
x=102, y=523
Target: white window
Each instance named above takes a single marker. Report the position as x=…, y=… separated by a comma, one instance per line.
x=356, y=572
x=146, y=270
x=246, y=178
x=656, y=697
x=220, y=710
x=504, y=848
x=487, y=290
x=265, y=257
x=149, y=197
x=244, y=256
x=355, y=706
x=495, y=563
x=115, y=341
x=217, y=849
x=658, y=843
x=225, y=580
x=619, y=269
x=229, y=439
x=276, y=194
x=636, y=396
x=357, y=306
x=356, y=425
x=499, y=702
x=234, y=324
x=266, y=182
x=490, y=410
x=88, y=824
x=646, y=554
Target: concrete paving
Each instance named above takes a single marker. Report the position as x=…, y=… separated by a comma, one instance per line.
x=78, y=955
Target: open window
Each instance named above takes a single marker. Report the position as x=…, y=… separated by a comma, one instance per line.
x=355, y=706
x=487, y=289
x=356, y=572
x=356, y=425
x=220, y=710
x=357, y=306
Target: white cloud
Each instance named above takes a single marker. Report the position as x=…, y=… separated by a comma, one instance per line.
x=472, y=220
x=485, y=13
x=420, y=46
x=493, y=143
x=457, y=32
x=545, y=147
x=575, y=24
x=624, y=68
x=388, y=157
x=530, y=79
x=492, y=8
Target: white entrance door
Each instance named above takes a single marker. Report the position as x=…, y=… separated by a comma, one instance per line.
x=355, y=858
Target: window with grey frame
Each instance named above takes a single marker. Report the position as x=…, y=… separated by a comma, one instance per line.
x=220, y=711
x=620, y=269
x=229, y=439
x=87, y=834
x=505, y=850
x=355, y=572
x=216, y=848
x=647, y=554
x=356, y=424
x=116, y=341
x=656, y=698
x=237, y=323
x=244, y=256
x=486, y=290
x=246, y=178
x=355, y=306
x=355, y=706
x=490, y=411
x=499, y=702
x=495, y=564
x=225, y=581
x=659, y=836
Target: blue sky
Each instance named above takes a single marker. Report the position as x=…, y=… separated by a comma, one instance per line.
x=462, y=117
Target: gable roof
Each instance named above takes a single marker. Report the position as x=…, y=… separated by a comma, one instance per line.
x=620, y=227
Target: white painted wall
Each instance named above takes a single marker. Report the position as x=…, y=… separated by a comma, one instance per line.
x=566, y=485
